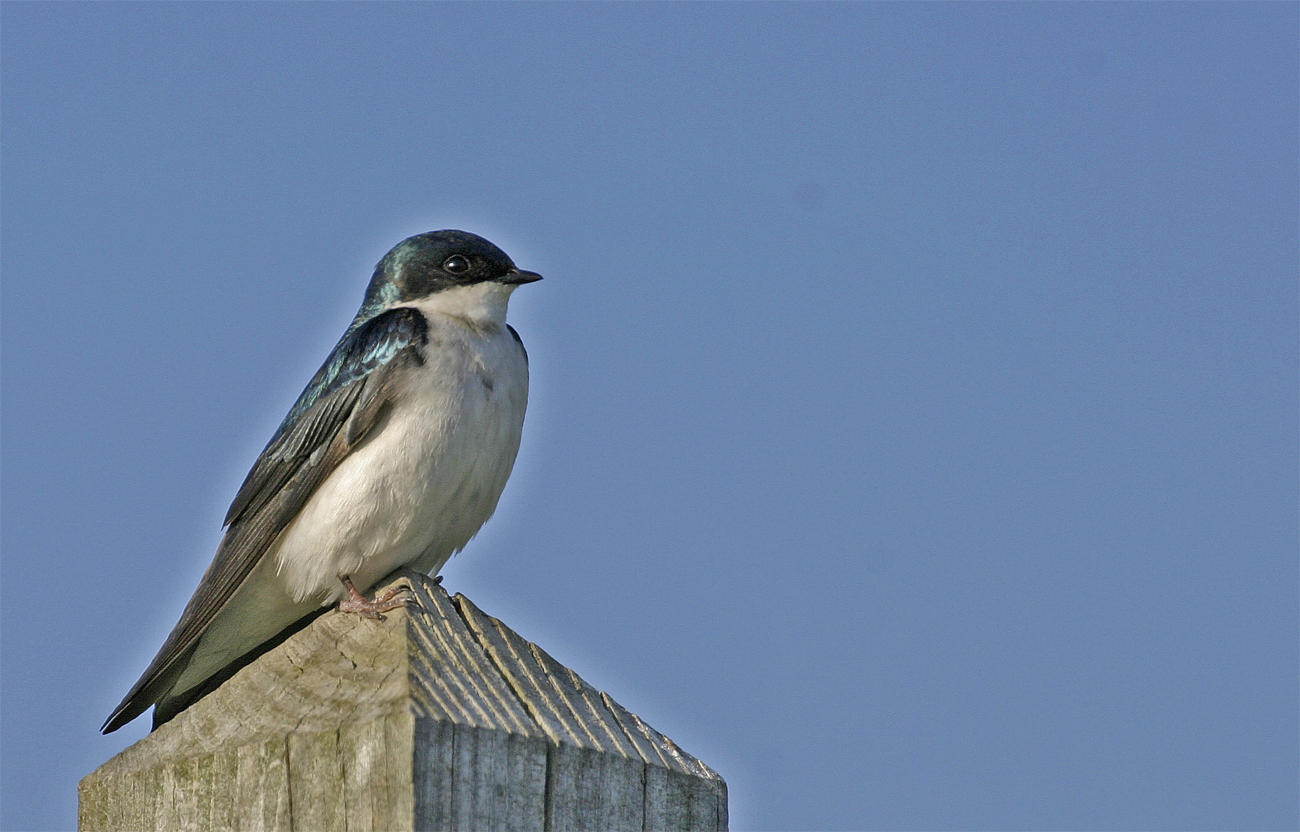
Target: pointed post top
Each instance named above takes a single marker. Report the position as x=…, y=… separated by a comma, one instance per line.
x=434, y=679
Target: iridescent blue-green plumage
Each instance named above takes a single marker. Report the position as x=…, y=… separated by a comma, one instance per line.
x=333, y=415
x=410, y=269
x=359, y=353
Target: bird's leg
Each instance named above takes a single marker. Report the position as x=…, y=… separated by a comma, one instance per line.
x=360, y=604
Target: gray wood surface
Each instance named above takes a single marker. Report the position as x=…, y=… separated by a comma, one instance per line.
x=440, y=717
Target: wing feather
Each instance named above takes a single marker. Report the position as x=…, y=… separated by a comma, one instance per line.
x=333, y=415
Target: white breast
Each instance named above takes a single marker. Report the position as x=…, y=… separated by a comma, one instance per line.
x=428, y=478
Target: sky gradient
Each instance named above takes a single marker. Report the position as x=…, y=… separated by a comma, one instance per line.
x=913, y=434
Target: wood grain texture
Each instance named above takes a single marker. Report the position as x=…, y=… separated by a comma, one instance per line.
x=440, y=717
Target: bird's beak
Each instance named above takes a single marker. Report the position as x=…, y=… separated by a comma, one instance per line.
x=518, y=276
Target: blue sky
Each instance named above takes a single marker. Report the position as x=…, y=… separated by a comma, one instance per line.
x=914, y=421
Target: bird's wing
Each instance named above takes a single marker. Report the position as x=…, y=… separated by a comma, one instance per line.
x=519, y=341
x=343, y=402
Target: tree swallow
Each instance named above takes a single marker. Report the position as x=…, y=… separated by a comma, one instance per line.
x=395, y=455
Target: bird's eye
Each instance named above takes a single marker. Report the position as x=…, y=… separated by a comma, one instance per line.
x=455, y=264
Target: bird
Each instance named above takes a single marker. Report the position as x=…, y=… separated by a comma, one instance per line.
x=394, y=455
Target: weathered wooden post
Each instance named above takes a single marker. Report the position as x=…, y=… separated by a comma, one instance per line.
x=440, y=717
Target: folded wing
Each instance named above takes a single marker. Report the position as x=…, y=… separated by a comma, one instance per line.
x=344, y=401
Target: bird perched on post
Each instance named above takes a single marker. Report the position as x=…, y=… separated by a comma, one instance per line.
x=394, y=455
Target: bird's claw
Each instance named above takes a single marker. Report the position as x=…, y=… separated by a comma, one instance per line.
x=363, y=606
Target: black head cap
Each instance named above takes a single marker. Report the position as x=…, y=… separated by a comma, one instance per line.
x=424, y=264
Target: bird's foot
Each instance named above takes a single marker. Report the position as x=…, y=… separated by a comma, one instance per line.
x=360, y=604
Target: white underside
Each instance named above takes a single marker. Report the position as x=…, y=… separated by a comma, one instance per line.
x=413, y=494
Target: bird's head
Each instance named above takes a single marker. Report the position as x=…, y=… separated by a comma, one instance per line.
x=451, y=269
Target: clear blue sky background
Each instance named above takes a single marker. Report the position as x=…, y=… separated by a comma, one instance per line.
x=914, y=427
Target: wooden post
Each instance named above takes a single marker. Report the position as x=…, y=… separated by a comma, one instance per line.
x=440, y=717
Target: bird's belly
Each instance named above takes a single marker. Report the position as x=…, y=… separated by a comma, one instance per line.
x=413, y=494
